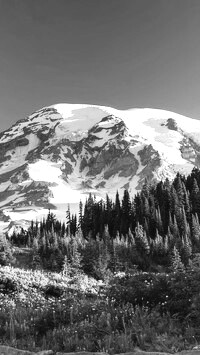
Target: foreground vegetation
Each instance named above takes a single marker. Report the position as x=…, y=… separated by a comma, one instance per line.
x=152, y=311
x=122, y=275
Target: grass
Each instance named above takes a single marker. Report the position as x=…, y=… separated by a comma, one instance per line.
x=42, y=310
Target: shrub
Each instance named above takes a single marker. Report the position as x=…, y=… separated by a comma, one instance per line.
x=6, y=255
x=8, y=286
x=53, y=291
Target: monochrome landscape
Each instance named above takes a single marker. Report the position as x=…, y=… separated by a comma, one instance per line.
x=99, y=177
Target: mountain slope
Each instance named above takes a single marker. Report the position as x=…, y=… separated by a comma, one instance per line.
x=60, y=153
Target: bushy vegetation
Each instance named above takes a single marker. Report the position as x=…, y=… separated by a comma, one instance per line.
x=123, y=274
x=41, y=310
x=6, y=255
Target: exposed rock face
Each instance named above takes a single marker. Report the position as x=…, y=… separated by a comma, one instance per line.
x=171, y=124
x=150, y=159
x=71, y=150
x=113, y=161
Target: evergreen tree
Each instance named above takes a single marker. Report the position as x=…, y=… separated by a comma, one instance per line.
x=177, y=183
x=73, y=224
x=175, y=229
x=108, y=210
x=76, y=259
x=141, y=240
x=170, y=239
x=90, y=254
x=174, y=201
x=195, y=232
x=117, y=215
x=145, y=188
x=176, y=263
x=152, y=219
x=50, y=221
x=138, y=208
x=159, y=225
x=36, y=257
x=186, y=251
x=184, y=230
x=106, y=236
x=194, y=196
x=126, y=213
x=113, y=262
x=187, y=206
x=195, y=188
x=146, y=227
x=66, y=268
x=68, y=220
x=6, y=255
x=145, y=207
x=170, y=224
x=158, y=244
x=80, y=221
x=88, y=222
x=102, y=262
x=72, y=262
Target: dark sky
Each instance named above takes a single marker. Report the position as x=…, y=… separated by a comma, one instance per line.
x=120, y=53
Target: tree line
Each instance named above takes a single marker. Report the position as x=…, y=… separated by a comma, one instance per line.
x=158, y=227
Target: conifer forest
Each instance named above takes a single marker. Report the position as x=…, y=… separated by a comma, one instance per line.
x=121, y=274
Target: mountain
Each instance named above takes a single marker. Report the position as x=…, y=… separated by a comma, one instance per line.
x=60, y=153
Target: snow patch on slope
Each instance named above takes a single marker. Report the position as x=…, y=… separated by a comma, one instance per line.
x=150, y=124
x=80, y=117
x=50, y=172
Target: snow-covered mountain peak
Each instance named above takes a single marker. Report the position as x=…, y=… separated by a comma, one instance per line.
x=62, y=152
